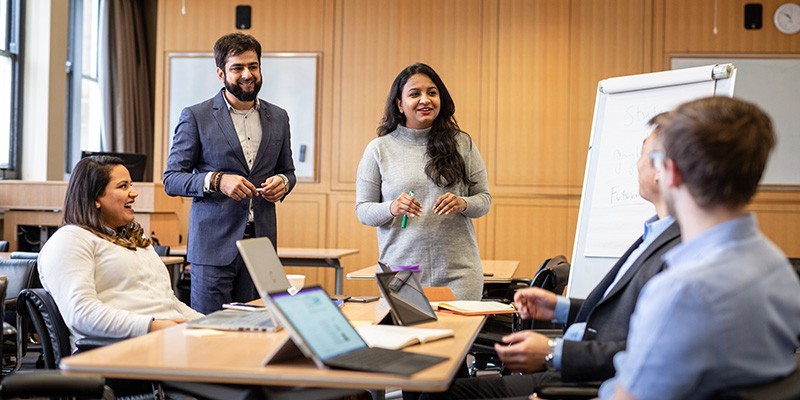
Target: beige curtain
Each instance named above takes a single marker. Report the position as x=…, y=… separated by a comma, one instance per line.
x=128, y=109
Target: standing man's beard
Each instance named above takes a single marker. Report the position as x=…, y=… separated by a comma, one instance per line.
x=240, y=94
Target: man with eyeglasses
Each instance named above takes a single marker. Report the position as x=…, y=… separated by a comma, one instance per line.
x=598, y=326
x=726, y=310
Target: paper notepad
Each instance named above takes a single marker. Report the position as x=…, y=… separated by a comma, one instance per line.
x=397, y=337
x=467, y=307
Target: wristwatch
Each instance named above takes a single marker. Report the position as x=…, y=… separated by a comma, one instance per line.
x=285, y=182
x=548, y=359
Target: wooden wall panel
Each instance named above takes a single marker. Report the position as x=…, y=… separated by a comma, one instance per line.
x=279, y=25
x=523, y=74
x=529, y=230
x=689, y=28
x=530, y=129
x=376, y=40
x=347, y=232
x=778, y=215
x=607, y=39
x=301, y=223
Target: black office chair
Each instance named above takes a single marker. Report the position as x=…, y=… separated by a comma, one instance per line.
x=21, y=275
x=552, y=275
x=38, y=308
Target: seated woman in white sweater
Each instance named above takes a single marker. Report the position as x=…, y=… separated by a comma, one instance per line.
x=100, y=268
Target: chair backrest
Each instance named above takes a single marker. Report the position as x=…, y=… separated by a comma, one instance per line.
x=162, y=251
x=20, y=273
x=38, y=307
x=3, y=246
x=552, y=275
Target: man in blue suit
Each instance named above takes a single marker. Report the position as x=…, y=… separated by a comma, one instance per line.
x=232, y=155
x=598, y=325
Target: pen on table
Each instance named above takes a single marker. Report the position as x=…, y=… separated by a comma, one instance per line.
x=405, y=216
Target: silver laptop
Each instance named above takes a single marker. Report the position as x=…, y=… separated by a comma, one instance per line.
x=264, y=265
x=234, y=320
x=267, y=272
x=319, y=329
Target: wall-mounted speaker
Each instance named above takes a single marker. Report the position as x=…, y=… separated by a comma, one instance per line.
x=752, y=15
x=243, y=14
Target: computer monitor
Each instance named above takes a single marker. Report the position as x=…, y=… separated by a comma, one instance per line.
x=135, y=162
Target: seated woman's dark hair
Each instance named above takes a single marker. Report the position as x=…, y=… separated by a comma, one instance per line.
x=87, y=183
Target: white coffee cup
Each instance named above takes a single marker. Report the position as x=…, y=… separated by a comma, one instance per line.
x=296, y=281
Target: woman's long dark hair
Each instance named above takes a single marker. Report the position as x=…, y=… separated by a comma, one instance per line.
x=87, y=183
x=446, y=166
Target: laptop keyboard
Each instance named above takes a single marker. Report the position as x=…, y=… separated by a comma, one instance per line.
x=376, y=359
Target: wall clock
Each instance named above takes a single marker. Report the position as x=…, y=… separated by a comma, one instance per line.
x=787, y=18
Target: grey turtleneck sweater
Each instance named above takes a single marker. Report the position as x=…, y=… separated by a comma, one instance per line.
x=444, y=246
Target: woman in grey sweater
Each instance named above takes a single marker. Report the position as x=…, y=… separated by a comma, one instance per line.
x=422, y=169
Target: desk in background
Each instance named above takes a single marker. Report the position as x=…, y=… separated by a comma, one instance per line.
x=495, y=271
x=304, y=257
x=182, y=354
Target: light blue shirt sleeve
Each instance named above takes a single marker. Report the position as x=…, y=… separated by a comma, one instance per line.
x=557, y=351
x=562, y=310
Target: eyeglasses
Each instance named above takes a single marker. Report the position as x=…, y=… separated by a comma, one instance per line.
x=657, y=158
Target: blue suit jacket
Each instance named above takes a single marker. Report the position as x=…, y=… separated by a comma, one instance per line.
x=205, y=141
x=608, y=317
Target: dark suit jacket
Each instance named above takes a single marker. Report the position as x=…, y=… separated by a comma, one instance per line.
x=205, y=141
x=607, y=319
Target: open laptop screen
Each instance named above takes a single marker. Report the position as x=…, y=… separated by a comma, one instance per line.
x=319, y=322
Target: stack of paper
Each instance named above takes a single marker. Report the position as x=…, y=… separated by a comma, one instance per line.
x=397, y=337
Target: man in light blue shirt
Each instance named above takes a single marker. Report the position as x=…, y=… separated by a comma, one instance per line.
x=726, y=311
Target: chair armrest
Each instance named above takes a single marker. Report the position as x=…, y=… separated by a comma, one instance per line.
x=89, y=343
x=51, y=383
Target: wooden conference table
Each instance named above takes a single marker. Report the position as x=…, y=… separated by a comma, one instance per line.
x=304, y=257
x=494, y=271
x=199, y=355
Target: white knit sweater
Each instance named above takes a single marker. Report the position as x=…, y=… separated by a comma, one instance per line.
x=106, y=290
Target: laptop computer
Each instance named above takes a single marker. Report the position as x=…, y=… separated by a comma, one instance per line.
x=407, y=301
x=267, y=272
x=264, y=265
x=233, y=320
x=320, y=330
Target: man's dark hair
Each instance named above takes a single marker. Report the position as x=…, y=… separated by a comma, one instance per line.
x=720, y=145
x=234, y=44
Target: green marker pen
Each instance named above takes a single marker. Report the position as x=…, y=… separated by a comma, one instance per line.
x=405, y=216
